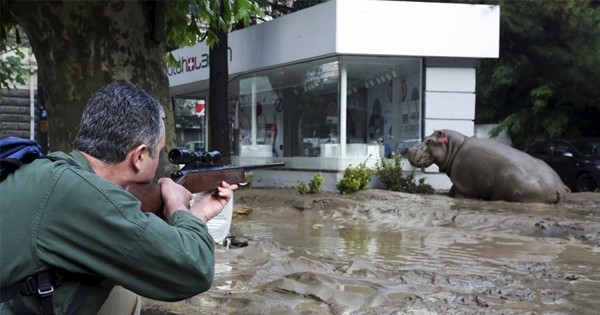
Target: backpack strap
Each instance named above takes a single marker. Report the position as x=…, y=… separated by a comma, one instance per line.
x=42, y=284
x=39, y=284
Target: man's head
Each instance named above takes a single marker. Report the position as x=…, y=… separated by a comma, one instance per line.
x=122, y=127
x=116, y=119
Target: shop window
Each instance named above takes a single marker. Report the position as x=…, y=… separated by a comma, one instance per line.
x=383, y=103
x=288, y=111
x=295, y=110
x=190, y=123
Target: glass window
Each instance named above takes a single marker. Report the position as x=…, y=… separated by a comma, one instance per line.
x=300, y=111
x=540, y=148
x=288, y=111
x=561, y=147
x=383, y=101
x=190, y=120
x=587, y=146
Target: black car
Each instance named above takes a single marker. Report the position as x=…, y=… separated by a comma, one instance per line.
x=577, y=161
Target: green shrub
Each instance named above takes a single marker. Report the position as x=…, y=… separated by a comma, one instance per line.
x=391, y=175
x=314, y=186
x=301, y=188
x=355, y=179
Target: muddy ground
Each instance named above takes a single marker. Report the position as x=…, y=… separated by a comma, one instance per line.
x=383, y=252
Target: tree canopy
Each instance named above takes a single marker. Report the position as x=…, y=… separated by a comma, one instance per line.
x=83, y=45
x=11, y=69
x=545, y=83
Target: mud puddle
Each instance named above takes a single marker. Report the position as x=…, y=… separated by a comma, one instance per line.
x=382, y=252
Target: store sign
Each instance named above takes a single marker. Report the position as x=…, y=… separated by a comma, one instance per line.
x=193, y=63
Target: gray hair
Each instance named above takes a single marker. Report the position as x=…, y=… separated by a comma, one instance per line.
x=116, y=119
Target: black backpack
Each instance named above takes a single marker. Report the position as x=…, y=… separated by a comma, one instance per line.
x=14, y=152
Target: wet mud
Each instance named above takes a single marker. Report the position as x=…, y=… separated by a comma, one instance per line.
x=383, y=252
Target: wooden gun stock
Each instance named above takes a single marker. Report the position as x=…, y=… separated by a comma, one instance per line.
x=195, y=181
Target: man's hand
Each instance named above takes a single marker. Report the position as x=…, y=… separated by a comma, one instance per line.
x=207, y=205
x=175, y=197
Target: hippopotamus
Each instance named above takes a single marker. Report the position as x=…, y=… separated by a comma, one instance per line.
x=487, y=169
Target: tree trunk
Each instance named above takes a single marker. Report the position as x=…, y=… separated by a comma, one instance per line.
x=218, y=104
x=81, y=46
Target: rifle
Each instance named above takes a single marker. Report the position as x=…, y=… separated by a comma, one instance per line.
x=200, y=173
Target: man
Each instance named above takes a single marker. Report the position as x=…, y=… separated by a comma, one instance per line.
x=71, y=213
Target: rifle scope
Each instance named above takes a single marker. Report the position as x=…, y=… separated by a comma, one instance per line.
x=184, y=156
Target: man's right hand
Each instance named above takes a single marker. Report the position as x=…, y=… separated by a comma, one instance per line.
x=209, y=204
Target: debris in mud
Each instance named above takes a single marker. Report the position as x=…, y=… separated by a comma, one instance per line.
x=241, y=211
x=574, y=277
x=314, y=204
x=551, y=227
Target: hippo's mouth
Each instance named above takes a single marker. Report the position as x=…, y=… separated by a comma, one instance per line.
x=418, y=158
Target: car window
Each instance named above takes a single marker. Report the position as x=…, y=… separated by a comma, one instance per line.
x=561, y=148
x=539, y=148
x=587, y=147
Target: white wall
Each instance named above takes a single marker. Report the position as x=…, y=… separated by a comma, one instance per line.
x=360, y=27
x=417, y=29
x=450, y=99
x=483, y=131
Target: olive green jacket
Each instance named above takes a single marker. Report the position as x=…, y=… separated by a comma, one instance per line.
x=62, y=215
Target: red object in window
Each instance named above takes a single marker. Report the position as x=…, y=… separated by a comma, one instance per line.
x=200, y=110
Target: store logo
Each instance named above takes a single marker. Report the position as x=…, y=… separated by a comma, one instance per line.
x=193, y=63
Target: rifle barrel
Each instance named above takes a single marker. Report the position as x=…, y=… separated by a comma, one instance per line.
x=259, y=166
x=185, y=171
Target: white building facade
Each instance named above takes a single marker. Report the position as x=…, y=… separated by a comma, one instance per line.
x=340, y=83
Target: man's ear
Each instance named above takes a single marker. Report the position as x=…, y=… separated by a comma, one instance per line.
x=139, y=155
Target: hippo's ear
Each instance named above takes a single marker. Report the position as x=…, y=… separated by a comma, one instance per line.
x=440, y=136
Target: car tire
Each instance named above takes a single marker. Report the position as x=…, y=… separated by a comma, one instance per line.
x=585, y=183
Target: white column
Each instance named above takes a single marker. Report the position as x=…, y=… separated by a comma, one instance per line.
x=343, y=106
x=254, y=123
x=32, y=90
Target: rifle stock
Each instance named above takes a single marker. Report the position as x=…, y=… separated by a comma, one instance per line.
x=196, y=180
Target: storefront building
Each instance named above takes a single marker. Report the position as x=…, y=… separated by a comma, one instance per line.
x=340, y=83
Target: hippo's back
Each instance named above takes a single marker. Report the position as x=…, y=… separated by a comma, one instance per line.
x=526, y=172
